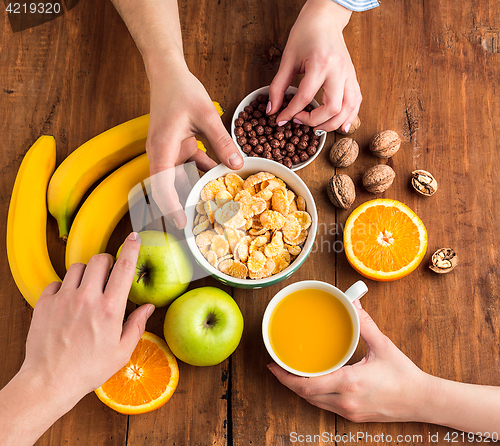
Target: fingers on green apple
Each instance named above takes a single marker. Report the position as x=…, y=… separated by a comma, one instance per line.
x=163, y=271
x=123, y=272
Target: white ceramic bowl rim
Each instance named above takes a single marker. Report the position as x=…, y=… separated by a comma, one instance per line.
x=265, y=90
x=311, y=284
x=261, y=164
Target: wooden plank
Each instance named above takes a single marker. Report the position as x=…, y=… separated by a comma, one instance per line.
x=76, y=77
x=429, y=85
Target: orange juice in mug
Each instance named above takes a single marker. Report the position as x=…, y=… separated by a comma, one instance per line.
x=311, y=328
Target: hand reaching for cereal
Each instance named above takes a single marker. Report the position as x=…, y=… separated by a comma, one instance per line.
x=180, y=105
x=180, y=109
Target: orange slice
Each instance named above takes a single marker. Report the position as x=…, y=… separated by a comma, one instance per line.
x=146, y=383
x=384, y=240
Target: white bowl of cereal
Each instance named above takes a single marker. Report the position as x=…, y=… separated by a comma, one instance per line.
x=253, y=227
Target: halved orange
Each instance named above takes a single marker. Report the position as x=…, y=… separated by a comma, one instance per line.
x=146, y=383
x=384, y=240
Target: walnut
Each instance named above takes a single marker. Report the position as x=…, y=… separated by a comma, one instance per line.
x=354, y=126
x=385, y=144
x=424, y=183
x=378, y=178
x=341, y=191
x=443, y=261
x=344, y=152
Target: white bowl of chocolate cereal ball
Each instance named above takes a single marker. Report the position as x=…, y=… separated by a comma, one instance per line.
x=258, y=135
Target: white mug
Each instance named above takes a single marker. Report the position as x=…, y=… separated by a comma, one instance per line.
x=356, y=291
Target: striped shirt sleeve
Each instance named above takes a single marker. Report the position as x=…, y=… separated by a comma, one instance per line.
x=358, y=5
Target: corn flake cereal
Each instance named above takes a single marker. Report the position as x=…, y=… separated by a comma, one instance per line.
x=272, y=184
x=276, y=246
x=304, y=219
x=301, y=204
x=237, y=269
x=234, y=183
x=224, y=265
x=256, y=261
x=241, y=252
x=200, y=207
x=204, y=249
x=242, y=193
x=251, y=228
x=220, y=245
x=211, y=189
x=264, y=272
x=256, y=231
x=282, y=260
x=200, y=227
x=211, y=257
x=222, y=198
x=257, y=243
x=233, y=236
x=210, y=207
x=297, y=241
x=272, y=219
x=292, y=228
x=280, y=202
x=218, y=228
x=265, y=194
x=257, y=178
x=293, y=250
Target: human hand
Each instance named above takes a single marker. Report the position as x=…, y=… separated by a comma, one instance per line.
x=180, y=109
x=384, y=386
x=316, y=47
x=77, y=339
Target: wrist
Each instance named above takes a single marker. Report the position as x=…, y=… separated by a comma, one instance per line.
x=158, y=65
x=40, y=389
x=28, y=407
x=428, y=399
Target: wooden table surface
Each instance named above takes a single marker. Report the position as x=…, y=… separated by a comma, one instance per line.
x=429, y=70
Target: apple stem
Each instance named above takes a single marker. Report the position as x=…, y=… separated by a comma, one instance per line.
x=141, y=276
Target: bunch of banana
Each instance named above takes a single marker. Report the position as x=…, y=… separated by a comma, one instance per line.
x=93, y=160
x=102, y=210
x=100, y=213
x=27, y=221
x=90, y=162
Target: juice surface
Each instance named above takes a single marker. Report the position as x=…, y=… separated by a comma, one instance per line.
x=310, y=330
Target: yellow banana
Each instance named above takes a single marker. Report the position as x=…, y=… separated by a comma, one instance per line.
x=88, y=163
x=102, y=210
x=27, y=221
x=91, y=161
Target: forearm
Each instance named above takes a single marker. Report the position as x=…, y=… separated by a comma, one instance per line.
x=155, y=28
x=28, y=408
x=466, y=407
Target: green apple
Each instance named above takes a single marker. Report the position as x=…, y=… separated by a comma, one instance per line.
x=203, y=327
x=164, y=269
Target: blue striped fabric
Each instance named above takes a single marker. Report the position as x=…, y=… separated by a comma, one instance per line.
x=358, y=5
